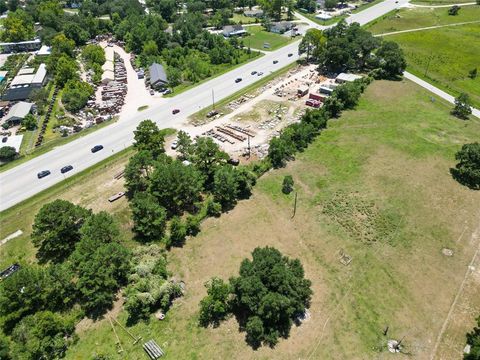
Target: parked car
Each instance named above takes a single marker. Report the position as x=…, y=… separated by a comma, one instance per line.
x=152, y=92
x=97, y=148
x=167, y=91
x=175, y=111
x=174, y=145
x=290, y=54
x=253, y=72
x=275, y=61
x=233, y=161
x=237, y=80
x=43, y=173
x=212, y=113
x=260, y=73
x=4, y=139
x=65, y=169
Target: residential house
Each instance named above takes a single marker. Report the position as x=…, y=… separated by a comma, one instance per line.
x=233, y=30
x=344, y=77
x=281, y=27
x=255, y=13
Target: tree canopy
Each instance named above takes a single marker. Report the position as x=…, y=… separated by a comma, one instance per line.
x=56, y=229
x=467, y=170
x=268, y=295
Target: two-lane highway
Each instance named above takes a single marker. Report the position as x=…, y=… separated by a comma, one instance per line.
x=21, y=182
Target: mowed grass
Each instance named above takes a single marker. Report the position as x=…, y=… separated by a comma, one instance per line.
x=440, y=2
x=258, y=36
x=444, y=57
x=414, y=18
x=375, y=185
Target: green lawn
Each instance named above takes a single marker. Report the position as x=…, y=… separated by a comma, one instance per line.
x=375, y=185
x=414, y=18
x=444, y=57
x=242, y=19
x=258, y=36
x=440, y=2
x=217, y=70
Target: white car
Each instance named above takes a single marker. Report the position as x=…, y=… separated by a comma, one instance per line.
x=174, y=145
x=260, y=73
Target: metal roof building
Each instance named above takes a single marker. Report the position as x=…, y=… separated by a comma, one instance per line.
x=158, y=76
x=18, y=111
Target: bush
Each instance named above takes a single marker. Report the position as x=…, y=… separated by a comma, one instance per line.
x=463, y=106
x=178, y=232
x=7, y=153
x=287, y=186
x=213, y=208
x=192, y=225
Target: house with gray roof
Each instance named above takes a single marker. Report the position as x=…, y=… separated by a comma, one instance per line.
x=233, y=30
x=18, y=112
x=281, y=27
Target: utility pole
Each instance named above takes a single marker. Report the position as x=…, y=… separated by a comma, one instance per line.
x=295, y=206
x=249, y=146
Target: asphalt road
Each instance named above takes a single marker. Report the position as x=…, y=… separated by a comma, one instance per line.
x=20, y=182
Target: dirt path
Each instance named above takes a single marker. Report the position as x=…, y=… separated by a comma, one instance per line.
x=474, y=238
x=427, y=28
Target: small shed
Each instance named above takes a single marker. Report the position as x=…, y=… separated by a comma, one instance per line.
x=345, y=77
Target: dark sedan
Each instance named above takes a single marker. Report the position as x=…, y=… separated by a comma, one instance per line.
x=97, y=148
x=237, y=80
x=65, y=169
x=43, y=173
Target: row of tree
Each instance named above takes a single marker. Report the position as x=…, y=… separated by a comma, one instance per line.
x=351, y=48
x=161, y=188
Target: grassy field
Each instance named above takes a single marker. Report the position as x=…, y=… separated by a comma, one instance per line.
x=376, y=185
x=444, y=57
x=258, y=36
x=440, y=2
x=414, y=18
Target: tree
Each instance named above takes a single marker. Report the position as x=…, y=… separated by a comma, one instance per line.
x=207, y=157
x=473, y=339
x=279, y=151
x=93, y=54
x=149, y=218
x=17, y=26
x=178, y=232
x=101, y=228
x=463, y=106
x=138, y=171
x=454, y=10
x=348, y=94
x=4, y=345
x=225, y=186
x=74, y=31
x=66, y=70
x=103, y=273
x=176, y=186
x=29, y=122
x=76, y=94
x=215, y=306
x=467, y=170
x=330, y=4
x=185, y=145
x=44, y=335
x=270, y=292
x=7, y=153
x=392, y=60
x=149, y=137
x=313, y=43
x=56, y=229
x=33, y=289
x=287, y=185
x=309, y=5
